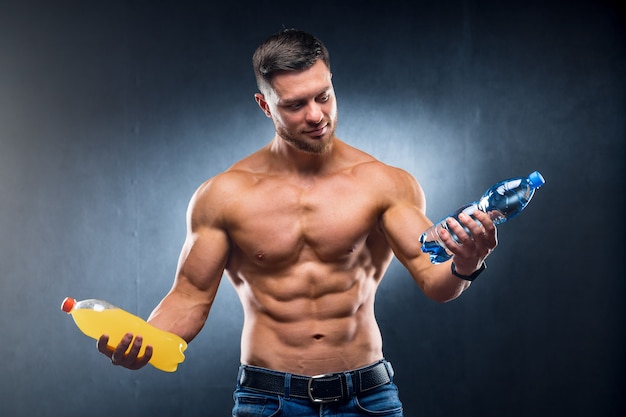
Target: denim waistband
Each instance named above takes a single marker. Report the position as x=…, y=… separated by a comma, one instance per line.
x=323, y=388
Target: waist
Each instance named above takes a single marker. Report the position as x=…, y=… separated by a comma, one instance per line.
x=332, y=387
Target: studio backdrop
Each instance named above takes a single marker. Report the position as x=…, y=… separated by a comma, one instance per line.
x=113, y=112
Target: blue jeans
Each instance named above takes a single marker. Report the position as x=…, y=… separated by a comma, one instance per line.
x=381, y=402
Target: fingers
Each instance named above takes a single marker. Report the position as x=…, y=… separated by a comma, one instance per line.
x=470, y=240
x=118, y=356
x=471, y=236
x=103, y=345
x=126, y=353
x=474, y=227
x=143, y=360
x=486, y=232
x=462, y=231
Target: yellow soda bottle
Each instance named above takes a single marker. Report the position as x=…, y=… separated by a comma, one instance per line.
x=96, y=317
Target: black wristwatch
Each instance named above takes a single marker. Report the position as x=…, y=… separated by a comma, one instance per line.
x=472, y=277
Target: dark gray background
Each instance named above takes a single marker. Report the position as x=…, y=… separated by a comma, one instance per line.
x=113, y=112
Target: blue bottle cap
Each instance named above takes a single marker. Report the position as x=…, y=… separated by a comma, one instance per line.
x=536, y=180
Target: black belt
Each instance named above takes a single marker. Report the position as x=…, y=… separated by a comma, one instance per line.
x=320, y=388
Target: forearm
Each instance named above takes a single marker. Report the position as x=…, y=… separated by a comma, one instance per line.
x=180, y=315
x=435, y=280
x=439, y=284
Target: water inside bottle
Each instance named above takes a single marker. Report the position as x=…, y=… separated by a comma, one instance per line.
x=435, y=251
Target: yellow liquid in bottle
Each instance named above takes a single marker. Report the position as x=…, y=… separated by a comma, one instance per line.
x=167, y=347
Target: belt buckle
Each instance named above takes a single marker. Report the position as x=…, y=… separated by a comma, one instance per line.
x=310, y=388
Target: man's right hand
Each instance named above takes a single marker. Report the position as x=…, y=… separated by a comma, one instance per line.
x=121, y=355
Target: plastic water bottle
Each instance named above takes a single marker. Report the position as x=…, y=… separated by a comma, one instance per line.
x=502, y=202
x=96, y=317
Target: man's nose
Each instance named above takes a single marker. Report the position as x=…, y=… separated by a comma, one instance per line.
x=314, y=113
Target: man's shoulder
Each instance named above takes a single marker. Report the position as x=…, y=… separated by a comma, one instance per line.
x=241, y=174
x=362, y=158
x=231, y=181
x=388, y=181
x=212, y=200
x=375, y=170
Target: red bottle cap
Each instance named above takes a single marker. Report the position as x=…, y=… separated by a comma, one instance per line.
x=68, y=304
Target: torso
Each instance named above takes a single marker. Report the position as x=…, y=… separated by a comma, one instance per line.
x=307, y=255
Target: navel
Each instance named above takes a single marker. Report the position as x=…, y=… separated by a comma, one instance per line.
x=318, y=336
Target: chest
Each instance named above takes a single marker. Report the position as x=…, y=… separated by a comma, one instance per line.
x=281, y=220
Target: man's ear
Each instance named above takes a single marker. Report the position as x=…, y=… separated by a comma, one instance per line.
x=260, y=100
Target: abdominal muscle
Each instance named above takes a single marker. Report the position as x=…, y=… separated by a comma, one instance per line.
x=309, y=323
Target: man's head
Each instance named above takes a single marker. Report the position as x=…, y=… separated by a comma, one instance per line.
x=293, y=75
x=287, y=50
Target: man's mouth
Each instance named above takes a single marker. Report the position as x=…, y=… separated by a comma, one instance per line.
x=317, y=132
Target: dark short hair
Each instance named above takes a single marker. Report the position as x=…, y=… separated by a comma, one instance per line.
x=287, y=50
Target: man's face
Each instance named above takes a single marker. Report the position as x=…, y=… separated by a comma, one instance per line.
x=303, y=108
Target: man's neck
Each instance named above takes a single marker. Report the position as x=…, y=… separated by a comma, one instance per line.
x=286, y=157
